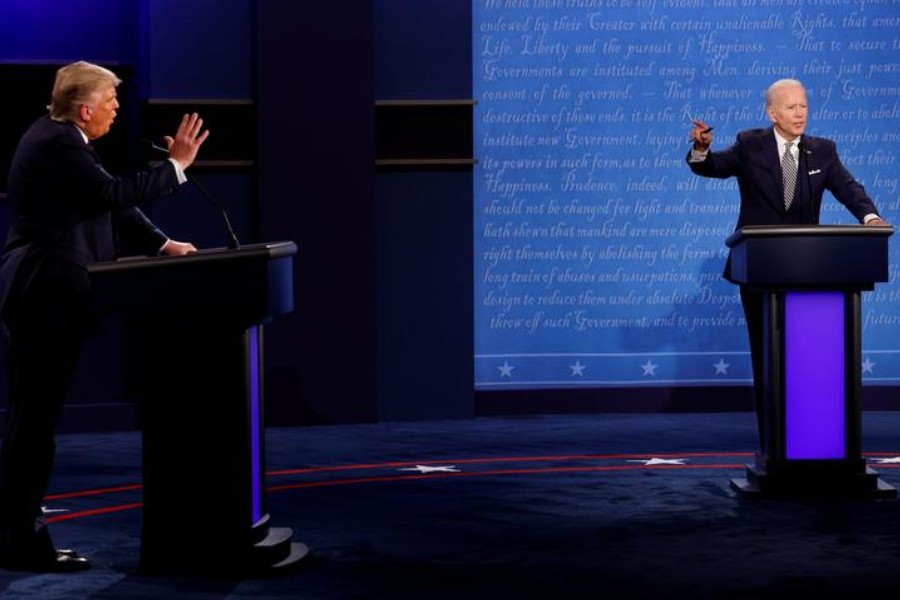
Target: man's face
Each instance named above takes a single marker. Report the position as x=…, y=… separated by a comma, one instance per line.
x=788, y=110
x=98, y=117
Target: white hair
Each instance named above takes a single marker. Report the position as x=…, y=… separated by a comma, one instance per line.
x=778, y=85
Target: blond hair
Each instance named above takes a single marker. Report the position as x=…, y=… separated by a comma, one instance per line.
x=76, y=84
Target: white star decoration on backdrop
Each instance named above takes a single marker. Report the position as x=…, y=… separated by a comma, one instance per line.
x=427, y=469
x=867, y=365
x=506, y=369
x=649, y=368
x=577, y=368
x=894, y=460
x=721, y=367
x=659, y=461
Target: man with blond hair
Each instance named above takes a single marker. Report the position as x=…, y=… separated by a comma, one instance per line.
x=66, y=211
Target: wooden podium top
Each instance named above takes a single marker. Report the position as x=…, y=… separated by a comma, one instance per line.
x=267, y=250
x=810, y=256
x=247, y=285
x=765, y=231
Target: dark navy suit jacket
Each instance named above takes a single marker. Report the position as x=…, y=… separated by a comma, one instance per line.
x=754, y=160
x=67, y=211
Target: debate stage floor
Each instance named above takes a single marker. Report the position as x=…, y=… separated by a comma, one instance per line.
x=555, y=506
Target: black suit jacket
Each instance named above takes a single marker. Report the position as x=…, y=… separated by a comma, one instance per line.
x=754, y=160
x=66, y=211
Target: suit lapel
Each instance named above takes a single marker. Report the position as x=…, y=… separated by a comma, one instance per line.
x=92, y=152
x=805, y=183
x=773, y=162
x=80, y=137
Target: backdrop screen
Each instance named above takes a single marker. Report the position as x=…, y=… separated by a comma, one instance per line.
x=598, y=254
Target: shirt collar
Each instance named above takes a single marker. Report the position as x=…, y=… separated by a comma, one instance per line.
x=781, y=141
x=83, y=134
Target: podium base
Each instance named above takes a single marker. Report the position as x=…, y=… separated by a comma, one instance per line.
x=270, y=551
x=817, y=483
x=298, y=552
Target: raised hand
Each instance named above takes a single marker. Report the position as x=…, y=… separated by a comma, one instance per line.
x=184, y=146
x=701, y=135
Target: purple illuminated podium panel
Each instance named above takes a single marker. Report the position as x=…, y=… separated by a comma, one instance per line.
x=194, y=363
x=811, y=278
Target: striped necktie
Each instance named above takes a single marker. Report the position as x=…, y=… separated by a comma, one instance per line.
x=789, y=174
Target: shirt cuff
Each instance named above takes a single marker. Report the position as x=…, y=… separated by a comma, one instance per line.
x=179, y=172
x=698, y=155
x=869, y=217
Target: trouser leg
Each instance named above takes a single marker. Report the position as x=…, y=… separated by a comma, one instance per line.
x=41, y=363
x=752, y=302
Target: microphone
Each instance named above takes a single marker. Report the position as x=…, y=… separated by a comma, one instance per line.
x=233, y=243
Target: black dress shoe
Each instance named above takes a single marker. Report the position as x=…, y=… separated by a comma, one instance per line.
x=64, y=561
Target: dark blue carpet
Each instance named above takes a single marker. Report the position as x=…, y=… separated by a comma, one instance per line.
x=570, y=506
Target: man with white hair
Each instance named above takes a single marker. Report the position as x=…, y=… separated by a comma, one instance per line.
x=66, y=211
x=782, y=175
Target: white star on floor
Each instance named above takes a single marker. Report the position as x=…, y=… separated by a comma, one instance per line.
x=428, y=469
x=649, y=368
x=867, y=365
x=894, y=460
x=660, y=461
x=506, y=369
x=577, y=368
x=721, y=367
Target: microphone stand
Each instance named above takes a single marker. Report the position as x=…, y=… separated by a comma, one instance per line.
x=233, y=243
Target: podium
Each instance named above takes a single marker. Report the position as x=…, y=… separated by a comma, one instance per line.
x=195, y=324
x=811, y=278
